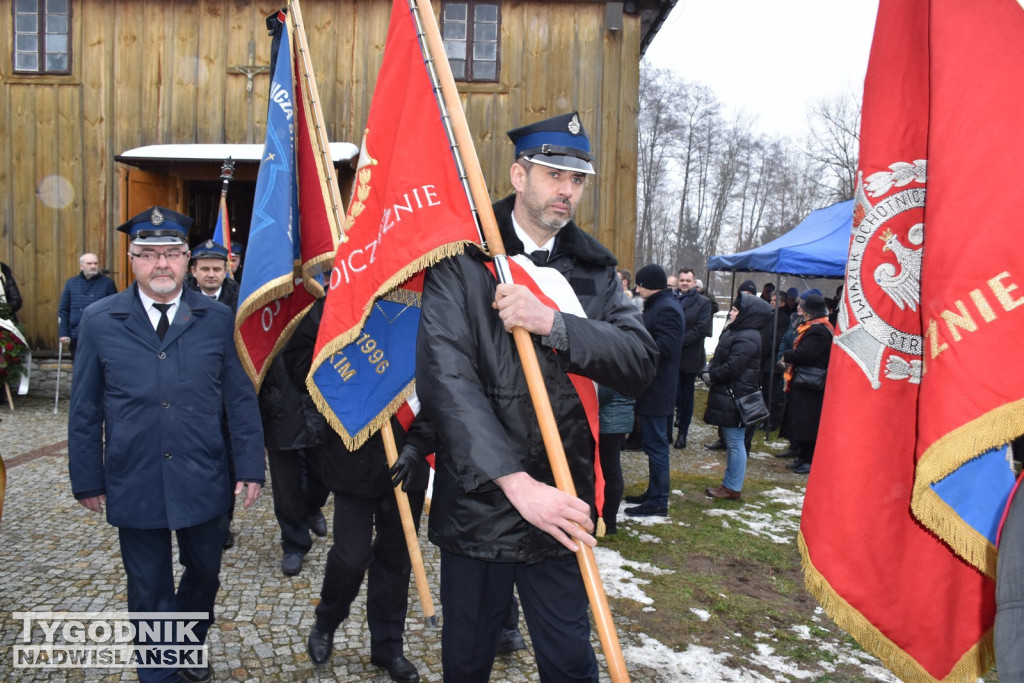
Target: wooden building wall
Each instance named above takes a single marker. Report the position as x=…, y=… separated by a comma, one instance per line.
x=156, y=72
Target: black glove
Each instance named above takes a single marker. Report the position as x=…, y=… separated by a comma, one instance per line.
x=706, y=378
x=408, y=459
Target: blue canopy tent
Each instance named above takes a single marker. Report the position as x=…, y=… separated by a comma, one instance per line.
x=816, y=247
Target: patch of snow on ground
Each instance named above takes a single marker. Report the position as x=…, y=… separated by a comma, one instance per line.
x=755, y=520
x=702, y=614
x=766, y=657
x=696, y=663
x=760, y=455
x=785, y=496
x=619, y=581
x=802, y=632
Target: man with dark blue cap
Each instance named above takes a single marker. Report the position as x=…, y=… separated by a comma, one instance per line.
x=208, y=272
x=496, y=516
x=235, y=260
x=155, y=366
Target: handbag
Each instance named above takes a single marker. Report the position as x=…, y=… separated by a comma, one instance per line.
x=752, y=408
x=809, y=378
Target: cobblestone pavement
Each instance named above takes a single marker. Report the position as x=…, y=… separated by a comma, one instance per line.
x=56, y=556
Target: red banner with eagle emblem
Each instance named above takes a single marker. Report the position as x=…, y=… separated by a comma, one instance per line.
x=911, y=471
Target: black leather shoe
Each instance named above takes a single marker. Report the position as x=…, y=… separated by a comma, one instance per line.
x=196, y=675
x=718, y=445
x=291, y=564
x=793, y=465
x=680, y=442
x=636, y=500
x=318, y=525
x=229, y=540
x=319, y=645
x=510, y=641
x=400, y=669
x=805, y=468
x=647, y=509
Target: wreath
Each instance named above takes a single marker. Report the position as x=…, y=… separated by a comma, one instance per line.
x=13, y=352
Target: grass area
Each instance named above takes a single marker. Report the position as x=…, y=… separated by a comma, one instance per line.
x=734, y=583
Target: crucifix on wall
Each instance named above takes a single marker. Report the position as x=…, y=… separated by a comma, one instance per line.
x=249, y=70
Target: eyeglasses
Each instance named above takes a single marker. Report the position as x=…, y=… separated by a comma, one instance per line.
x=172, y=256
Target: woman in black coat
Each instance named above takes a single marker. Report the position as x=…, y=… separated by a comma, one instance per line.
x=810, y=351
x=735, y=368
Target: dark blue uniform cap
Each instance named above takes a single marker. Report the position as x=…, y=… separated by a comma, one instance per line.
x=237, y=248
x=210, y=249
x=559, y=142
x=156, y=226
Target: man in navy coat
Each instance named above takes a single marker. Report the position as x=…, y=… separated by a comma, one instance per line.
x=154, y=367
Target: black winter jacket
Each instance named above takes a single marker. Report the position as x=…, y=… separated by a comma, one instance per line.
x=663, y=318
x=697, y=311
x=471, y=383
x=736, y=365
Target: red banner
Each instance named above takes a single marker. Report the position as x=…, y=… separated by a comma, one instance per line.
x=910, y=473
x=409, y=210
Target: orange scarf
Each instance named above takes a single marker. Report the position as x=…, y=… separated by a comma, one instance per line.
x=800, y=331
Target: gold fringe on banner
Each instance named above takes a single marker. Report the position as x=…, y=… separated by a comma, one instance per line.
x=389, y=291
x=973, y=664
x=945, y=456
x=277, y=288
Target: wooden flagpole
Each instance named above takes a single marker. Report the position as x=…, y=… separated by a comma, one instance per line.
x=409, y=528
x=325, y=166
x=524, y=343
x=324, y=160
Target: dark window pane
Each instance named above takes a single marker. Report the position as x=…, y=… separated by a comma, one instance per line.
x=57, y=24
x=455, y=49
x=458, y=68
x=485, y=51
x=455, y=11
x=485, y=32
x=26, y=6
x=455, y=29
x=28, y=43
x=56, y=6
x=485, y=71
x=56, y=44
x=26, y=23
x=487, y=13
x=26, y=61
x=57, y=62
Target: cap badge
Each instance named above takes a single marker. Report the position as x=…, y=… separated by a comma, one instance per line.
x=209, y=244
x=156, y=218
x=574, y=125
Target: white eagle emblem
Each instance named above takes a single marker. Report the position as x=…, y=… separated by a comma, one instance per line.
x=904, y=287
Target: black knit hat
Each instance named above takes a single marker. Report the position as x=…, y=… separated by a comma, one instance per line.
x=814, y=305
x=747, y=286
x=651, y=276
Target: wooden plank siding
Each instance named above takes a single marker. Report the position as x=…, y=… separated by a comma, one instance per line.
x=156, y=72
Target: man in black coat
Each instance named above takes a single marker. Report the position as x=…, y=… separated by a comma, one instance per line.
x=496, y=515
x=698, y=315
x=663, y=318
x=368, y=536
x=208, y=271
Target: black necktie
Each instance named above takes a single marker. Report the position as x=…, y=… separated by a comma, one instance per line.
x=539, y=256
x=165, y=322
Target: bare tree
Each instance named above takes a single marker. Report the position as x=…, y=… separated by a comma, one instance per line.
x=834, y=143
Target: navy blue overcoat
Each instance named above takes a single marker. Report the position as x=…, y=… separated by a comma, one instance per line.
x=145, y=423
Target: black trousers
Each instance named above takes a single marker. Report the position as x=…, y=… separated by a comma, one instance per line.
x=298, y=496
x=684, y=401
x=146, y=554
x=475, y=596
x=610, y=450
x=356, y=552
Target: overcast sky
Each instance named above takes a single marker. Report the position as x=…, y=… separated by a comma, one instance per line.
x=769, y=58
